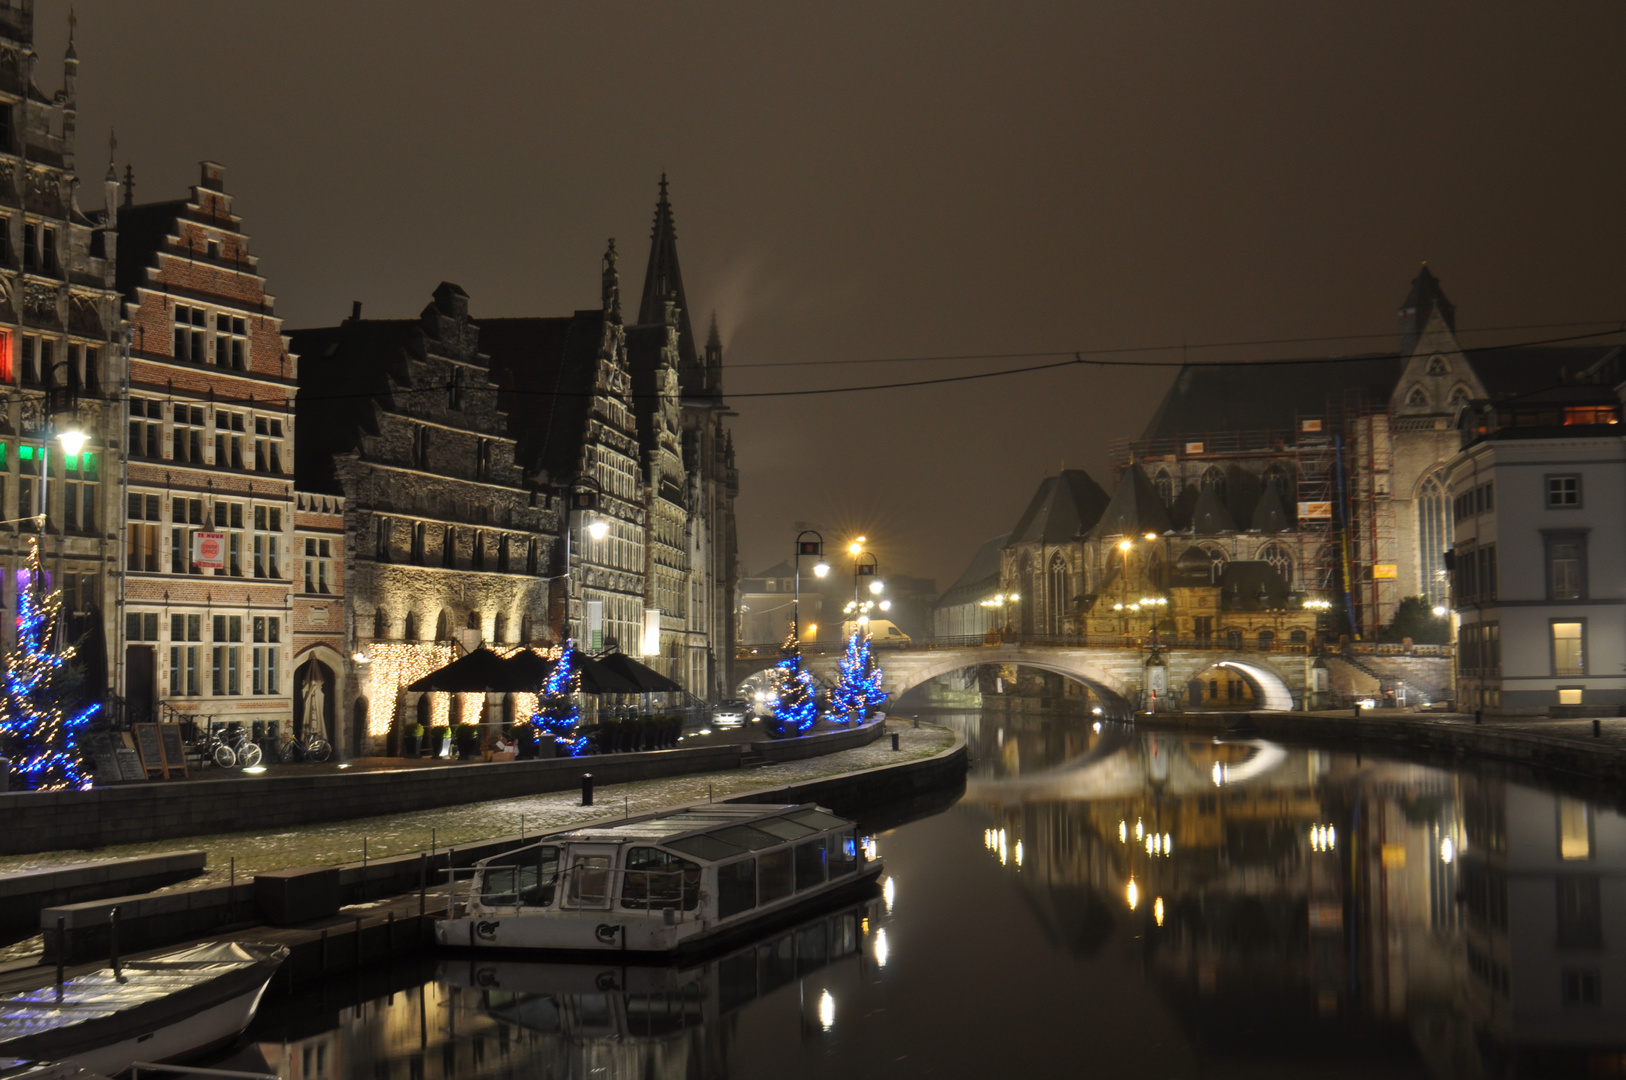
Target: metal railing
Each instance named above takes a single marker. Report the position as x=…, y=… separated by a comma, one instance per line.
x=1219, y=642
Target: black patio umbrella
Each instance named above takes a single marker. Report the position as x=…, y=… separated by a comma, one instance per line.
x=648, y=680
x=529, y=670
x=480, y=670
x=597, y=677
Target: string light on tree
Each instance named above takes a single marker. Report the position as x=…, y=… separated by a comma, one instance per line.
x=795, y=708
x=39, y=735
x=558, y=715
x=860, y=685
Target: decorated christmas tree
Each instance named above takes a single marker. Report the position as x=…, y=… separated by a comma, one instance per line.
x=558, y=716
x=38, y=730
x=860, y=685
x=795, y=708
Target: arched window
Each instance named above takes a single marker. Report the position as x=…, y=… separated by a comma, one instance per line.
x=443, y=625
x=525, y=629
x=1165, y=487
x=1436, y=365
x=1418, y=398
x=411, y=631
x=474, y=620
x=1433, y=535
x=1214, y=480
x=1059, y=595
x=1280, y=476
x=1216, y=563
x=1267, y=640
x=1280, y=561
x=499, y=629
x=381, y=624
x=1459, y=396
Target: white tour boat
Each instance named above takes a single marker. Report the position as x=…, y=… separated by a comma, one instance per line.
x=167, y=1008
x=677, y=881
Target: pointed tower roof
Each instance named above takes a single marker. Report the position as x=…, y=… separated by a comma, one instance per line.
x=1210, y=516
x=1270, y=514
x=1063, y=509
x=1426, y=296
x=663, y=281
x=714, y=340
x=1135, y=508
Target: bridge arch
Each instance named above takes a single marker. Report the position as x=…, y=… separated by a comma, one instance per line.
x=906, y=673
x=1270, y=690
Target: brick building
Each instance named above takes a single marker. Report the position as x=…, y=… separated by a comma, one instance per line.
x=446, y=544
x=59, y=327
x=210, y=453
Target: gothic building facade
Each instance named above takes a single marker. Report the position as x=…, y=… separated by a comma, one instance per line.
x=60, y=344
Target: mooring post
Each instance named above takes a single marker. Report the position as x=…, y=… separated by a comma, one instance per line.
x=1597, y=728
x=113, y=941
x=587, y=789
x=894, y=740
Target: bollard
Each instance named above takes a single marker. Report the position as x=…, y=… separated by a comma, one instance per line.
x=894, y=740
x=1357, y=710
x=1597, y=728
x=587, y=789
x=113, y=941
x=917, y=721
x=708, y=793
x=1479, y=716
x=626, y=807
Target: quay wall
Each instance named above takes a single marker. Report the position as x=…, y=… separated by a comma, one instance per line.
x=23, y=894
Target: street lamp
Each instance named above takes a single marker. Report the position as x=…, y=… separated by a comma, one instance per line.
x=815, y=548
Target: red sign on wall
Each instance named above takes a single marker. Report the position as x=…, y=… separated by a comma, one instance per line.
x=209, y=550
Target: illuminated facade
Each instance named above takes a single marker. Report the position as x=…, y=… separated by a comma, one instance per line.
x=208, y=507
x=445, y=544
x=59, y=327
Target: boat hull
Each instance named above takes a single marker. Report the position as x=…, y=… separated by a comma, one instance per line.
x=584, y=934
x=210, y=1029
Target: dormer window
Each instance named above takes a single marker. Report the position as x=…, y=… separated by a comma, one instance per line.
x=1418, y=398
x=1436, y=365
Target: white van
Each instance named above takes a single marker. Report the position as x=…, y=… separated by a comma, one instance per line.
x=883, y=634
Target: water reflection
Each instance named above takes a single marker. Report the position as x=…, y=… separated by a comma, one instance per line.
x=1178, y=905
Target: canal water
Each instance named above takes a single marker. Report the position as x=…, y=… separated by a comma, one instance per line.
x=1099, y=902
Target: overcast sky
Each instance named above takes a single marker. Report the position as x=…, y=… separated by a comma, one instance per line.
x=895, y=180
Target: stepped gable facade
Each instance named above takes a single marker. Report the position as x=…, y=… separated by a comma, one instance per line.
x=210, y=568
x=447, y=544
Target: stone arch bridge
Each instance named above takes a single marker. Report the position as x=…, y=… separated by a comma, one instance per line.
x=1122, y=676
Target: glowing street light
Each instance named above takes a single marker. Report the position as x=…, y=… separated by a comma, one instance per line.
x=599, y=529
x=73, y=441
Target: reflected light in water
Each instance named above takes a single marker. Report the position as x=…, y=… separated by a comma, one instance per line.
x=1123, y=832
x=827, y=1010
x=882, y=950
x=1448, y=850
x=1019, y=853
x=889, y=893
x=1157, y=910
x=1140, y=830
x=1133, y=894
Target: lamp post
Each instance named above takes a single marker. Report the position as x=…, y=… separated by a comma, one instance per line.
x=862, y=569
x=815, y=548
x=997, y=604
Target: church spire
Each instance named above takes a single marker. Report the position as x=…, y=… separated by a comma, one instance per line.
x=663, y=281
x=1425, y=298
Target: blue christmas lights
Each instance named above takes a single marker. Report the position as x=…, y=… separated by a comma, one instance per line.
x=860, y=685
x=796, y=707
x=559, y=714
x=41, y=740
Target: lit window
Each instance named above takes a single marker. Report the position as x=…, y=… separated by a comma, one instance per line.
x=1569, y=656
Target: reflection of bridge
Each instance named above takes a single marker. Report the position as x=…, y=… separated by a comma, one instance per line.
x=1121, y=675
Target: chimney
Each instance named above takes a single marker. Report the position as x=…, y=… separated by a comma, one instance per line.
x=355, y=311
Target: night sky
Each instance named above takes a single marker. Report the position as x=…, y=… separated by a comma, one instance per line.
x=899, y=180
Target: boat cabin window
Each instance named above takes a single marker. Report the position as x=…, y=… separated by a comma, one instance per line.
x=843, y=853
x=528, y=880
x=705, y=847
x=736, y=887
x=810, y=864
x=818, y=820
x=746, y=836
x=775, y=876
x=659, y=879
x=590, y=881
x=784, y=828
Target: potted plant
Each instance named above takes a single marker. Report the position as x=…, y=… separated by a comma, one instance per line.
x=437, y=739
x=411, y=740
x=468, y=741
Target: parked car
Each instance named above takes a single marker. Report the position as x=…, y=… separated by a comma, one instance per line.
x=731, y=713
x=883, y=634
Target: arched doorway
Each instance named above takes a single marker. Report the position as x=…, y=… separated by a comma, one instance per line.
x=314, y=693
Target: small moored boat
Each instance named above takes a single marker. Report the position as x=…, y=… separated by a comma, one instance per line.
x=671, y=882
x=166, y=1008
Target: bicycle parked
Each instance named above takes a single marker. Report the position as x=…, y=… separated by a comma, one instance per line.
x=315, y=749
x=231, y=748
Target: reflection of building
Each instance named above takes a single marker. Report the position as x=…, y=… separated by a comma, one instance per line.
x=1537, y=562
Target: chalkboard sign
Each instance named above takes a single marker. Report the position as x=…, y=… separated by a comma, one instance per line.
x=151, y=747
x=129, y=764
x=174, y=749
x=100, y=747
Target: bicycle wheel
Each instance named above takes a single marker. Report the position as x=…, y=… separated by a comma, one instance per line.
x=250, y=755
x=318, y=749
x=224, y=756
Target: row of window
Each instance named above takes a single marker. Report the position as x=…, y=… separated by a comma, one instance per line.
x=225, y=660
x=80, y=475
x=1479, y=648
x=40, y=250
x=188, y=517
x=37, y=358
x=442, y=545
x=1480, y=500
x=226, y=346
x=1475, y=571
x=189, y=436
x=423, y=441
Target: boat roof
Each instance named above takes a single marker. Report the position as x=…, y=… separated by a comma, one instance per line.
x=98, y=994
x=713, y=831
